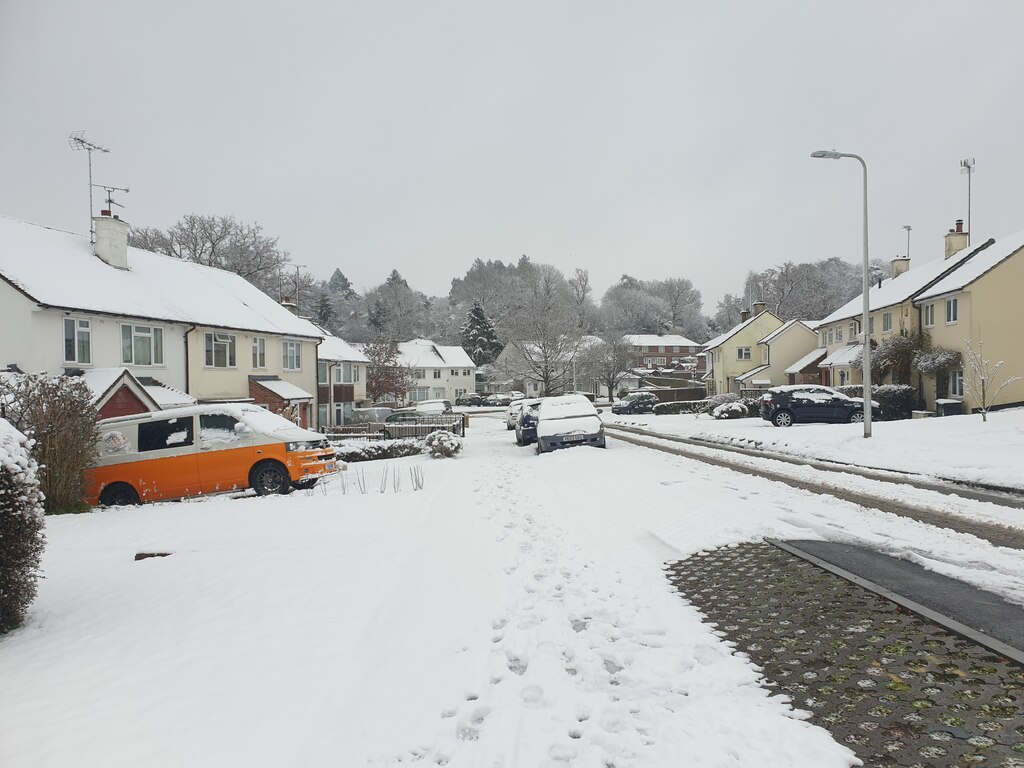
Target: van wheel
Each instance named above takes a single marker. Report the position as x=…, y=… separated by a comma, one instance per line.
x=269, y=477
x=119, y=495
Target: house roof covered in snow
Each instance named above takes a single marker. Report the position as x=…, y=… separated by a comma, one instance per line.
x=654, y=340
x=721, y=339
x=898, y=289
x=333, y=348
x=842, y=356
x=284, y=389
x=803, y=362
x=59, y=269
x=980, y=264
x=423, y=353
x=752, y=373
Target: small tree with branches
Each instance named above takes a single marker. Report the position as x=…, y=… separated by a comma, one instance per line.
x=983, y=379
x=385, y=374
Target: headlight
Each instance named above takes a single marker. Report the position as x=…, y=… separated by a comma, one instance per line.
x=301, y=446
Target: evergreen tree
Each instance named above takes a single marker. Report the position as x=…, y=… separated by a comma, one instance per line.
x=479, y=337
x=323, y=312
x=340, y=286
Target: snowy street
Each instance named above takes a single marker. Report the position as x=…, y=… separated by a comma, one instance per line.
x=515, y=612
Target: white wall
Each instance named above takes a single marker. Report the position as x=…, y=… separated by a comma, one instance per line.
x=447, y=382
x=33, y=339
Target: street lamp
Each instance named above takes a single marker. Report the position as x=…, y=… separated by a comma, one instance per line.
x=865, y=322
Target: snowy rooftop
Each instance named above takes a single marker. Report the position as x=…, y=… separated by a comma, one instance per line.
x=999, y=251
x=169, y=397
x=842, y=356
x=752, y=372
x=334, y=348
x=653, y=340
x=718, y=340
x=285, y=389
x=898, y=289
x=423, y=353
x=803, y=362
x=59, y=269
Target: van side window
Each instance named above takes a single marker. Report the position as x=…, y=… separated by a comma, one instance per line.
x=169, y=433
x=217, y=428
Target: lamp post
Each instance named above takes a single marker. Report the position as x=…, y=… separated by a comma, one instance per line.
x=865, y=323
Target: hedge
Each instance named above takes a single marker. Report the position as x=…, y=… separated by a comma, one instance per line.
x=897, y=401
x=363, y=450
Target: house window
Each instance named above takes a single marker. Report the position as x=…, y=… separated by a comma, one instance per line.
x=823, y=342
x=887, y=322
x=453, y=372
x=764, y=354
x=466, y=372
x=259, y=352
x=437, y=373
x=853, y=330
x=831, y=335
x=742, y=353
x=951, y=311
x=220, y=350
x=659, y=361
x=419, y=393
x=321, y=415
x=292, y=355
x=418, y=374
x=355, y=373
x=839, y=333
x=142, y=345
x=929, y=315
x=321, y=372
x=661, y=350
x=77, y=340
x=956, y=383
x=871, y=326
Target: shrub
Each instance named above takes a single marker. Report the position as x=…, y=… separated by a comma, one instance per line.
x=443, y=445
x=353, y=451
x=716, y=400
x=851, y=390
x=733, y=410
x=21, y=527
x=897, y=401
x=681, y=406
x=58, y=414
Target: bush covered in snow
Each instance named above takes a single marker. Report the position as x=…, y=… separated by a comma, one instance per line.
x=443, y=445
x=681, y=406
x=737, y=409
x=897, y=401
x=57, y=412
x=716, y=400
x=364, y=450
x=21, y=527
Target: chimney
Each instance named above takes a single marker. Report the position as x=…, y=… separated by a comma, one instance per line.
x=744, y=315
x=759, y=307
x=900, y=265
x=956, y=239
x=290, y=305
x=111, y=240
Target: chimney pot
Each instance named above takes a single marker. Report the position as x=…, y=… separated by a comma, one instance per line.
x=959, y=225
x=104, y=213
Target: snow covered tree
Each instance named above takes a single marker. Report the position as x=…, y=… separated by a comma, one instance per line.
x=58, y=414
x=21, y=527
x=983, y=379
x=607, y=361
x=340, y=286
x=479, y=337
x=323, y=312
x=396, y=311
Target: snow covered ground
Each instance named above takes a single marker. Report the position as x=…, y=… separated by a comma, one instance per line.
x=512, y=613
x=954, y=447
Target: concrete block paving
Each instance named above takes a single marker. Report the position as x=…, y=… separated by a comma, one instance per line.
x=896, y=689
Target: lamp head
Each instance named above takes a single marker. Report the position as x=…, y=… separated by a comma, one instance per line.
x=831, y=154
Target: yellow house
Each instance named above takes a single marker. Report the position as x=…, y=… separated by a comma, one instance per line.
x=778, y=351
x=978, y=307
x=735, y=357
x=892, y=310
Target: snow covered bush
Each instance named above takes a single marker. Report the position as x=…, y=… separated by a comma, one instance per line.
x=734, y=410
x=57, y=412
x=21, y=527
x=443, y=445
x=681, y=406
x=716, y=400
x=362, y=450
x=897, y=401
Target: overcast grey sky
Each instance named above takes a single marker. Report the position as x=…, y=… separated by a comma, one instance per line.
x=662, y=139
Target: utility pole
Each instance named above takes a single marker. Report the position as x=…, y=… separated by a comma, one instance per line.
x=297, y=268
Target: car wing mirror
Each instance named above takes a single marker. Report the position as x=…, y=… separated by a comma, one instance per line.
x=600, y=410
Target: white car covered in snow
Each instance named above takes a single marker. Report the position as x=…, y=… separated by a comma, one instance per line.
x=512, y=413
x=567, y=421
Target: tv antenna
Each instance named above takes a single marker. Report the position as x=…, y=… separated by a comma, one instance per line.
x=967, y=166
x=110, y=200
x=78, y=142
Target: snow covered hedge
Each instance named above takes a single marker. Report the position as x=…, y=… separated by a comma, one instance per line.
x=364, y=450
x=681, y=406
x=21, y=527
x=737, y=409
x=897, y=401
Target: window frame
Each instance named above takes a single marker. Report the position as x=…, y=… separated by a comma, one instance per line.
x=259, y=353
x=956, y=383
x=928, y=314
x=155, y=335
x=743, y=353
x=210, y=343
x=887, y=322
x=952, y=311
x=289, y=346
x=76, y=339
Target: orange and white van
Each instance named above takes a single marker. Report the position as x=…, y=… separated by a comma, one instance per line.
x=204, y=449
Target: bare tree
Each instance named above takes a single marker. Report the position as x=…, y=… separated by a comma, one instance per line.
x=386, y=376
x=607, y=361
x=545, y=332
x=983, y=379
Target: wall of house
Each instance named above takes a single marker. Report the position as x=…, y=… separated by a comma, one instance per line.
x=786, y=349
x=123, y=402
x=727, y=366
x=449, y=385
x=211, y=383
x=39, y=343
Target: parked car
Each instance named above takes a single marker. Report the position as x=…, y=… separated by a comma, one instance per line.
x=470, y=398
x=512, y=413
x=433, y=406
x=498, y=399
x=812, y=403
x=369, y=415
x=636, y=402
x=201, y=449
x=526, y=424
x=413, y=423
x=515, y=394
x=566, y=421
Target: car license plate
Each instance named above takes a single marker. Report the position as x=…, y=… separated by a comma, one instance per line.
x=574, y=438
x=331, y=466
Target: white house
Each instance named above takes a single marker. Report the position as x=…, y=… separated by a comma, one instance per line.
x=439, y=372
x=67, y=306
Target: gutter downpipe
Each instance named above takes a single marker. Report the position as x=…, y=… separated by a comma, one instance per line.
x=187, y=364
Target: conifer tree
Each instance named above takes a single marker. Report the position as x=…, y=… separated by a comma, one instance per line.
x=479, y=337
